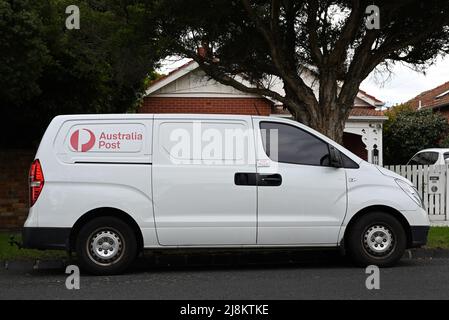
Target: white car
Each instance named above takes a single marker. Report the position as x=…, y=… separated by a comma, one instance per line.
x=110, y=186
x=433, y=156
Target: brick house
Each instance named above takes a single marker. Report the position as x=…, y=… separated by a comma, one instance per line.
x=188, y=89
x=436, y=99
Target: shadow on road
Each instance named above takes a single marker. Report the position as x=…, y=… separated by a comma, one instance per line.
x=248, y=259
x=201, y=260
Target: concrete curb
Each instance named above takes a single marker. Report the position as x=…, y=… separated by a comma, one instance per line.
x=423, y=253
x=444, y=223
x=28, y=265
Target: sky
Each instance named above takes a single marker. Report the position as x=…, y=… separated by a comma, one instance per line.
x=404, y=84
x=401, y=85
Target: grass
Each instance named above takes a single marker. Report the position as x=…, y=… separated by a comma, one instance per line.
x=438, y=238
x=8, y=252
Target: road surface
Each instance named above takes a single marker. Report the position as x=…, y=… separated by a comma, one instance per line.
x=236, y=276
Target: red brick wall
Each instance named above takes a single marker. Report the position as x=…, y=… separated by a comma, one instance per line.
x=251, y=106
x=14, y=167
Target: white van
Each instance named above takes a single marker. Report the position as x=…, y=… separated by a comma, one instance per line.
x=109, y=186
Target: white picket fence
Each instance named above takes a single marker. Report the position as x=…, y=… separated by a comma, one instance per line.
x=424, y=178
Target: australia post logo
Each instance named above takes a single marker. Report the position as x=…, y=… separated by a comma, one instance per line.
x=82, y=140
x=108, y=139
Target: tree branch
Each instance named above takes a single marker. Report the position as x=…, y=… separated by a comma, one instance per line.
x=215, y=73
x=312, y=10
x=354, y=76
x=275, y=12
x=291, y=79
x=348, y=34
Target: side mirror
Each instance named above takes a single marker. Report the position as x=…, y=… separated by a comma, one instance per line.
x=335, y=157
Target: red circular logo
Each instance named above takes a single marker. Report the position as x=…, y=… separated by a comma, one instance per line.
x=83, y=144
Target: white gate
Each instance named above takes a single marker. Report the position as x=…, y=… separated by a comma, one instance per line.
x=432, y=183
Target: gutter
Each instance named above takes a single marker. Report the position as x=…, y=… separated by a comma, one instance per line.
x=368, y=118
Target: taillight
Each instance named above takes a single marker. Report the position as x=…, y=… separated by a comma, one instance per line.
x=36, y=181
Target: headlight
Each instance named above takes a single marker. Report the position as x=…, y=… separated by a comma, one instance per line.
x=411, y=191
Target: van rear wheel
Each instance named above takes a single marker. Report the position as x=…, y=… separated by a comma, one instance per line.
x=376, y=238
x=105, y=246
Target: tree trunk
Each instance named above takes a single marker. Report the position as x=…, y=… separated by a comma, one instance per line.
x=327, y=116
x=328, y=124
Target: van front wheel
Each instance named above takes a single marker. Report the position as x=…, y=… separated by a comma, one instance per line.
x=376, y=238
x=106, y=246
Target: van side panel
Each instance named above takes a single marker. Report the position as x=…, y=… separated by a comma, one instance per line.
x=90, y=163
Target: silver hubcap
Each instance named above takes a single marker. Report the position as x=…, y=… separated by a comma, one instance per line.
x=105, y=246
x=378, y=240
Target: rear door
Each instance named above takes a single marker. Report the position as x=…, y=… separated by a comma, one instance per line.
x=198, y=167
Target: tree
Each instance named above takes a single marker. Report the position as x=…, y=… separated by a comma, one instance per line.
x=285, y=39
x=393, y=112
x=409, y=131
x=46, y=69
x=23, y=52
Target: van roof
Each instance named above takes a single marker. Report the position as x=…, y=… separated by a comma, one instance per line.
x=151, y=116
x=441, y=150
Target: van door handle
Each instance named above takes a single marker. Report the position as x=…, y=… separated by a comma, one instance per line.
x=245, y=179
x=269, y=180
x=257, y=179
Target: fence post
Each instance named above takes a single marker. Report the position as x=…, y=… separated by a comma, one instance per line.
x=446, y=192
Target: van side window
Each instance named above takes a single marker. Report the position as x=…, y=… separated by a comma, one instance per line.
x=293, y=145
x=348, y=163
x=424, y=158
x=446, y=155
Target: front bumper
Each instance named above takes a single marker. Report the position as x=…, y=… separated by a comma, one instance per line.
x=419, y=235
x=46, y=238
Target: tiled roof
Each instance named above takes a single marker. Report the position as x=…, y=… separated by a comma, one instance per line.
x=366, y=112
x=372, y=97
x=436, y=97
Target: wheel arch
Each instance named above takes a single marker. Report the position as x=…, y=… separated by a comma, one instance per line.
x=105, y=212
x=380, y=208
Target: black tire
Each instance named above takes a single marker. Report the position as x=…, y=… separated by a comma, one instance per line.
x=372, y=233
x=106, y=246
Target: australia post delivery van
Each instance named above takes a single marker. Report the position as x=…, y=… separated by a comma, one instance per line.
x=110, y=186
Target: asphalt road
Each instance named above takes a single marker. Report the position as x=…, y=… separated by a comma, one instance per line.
x=238, y=277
